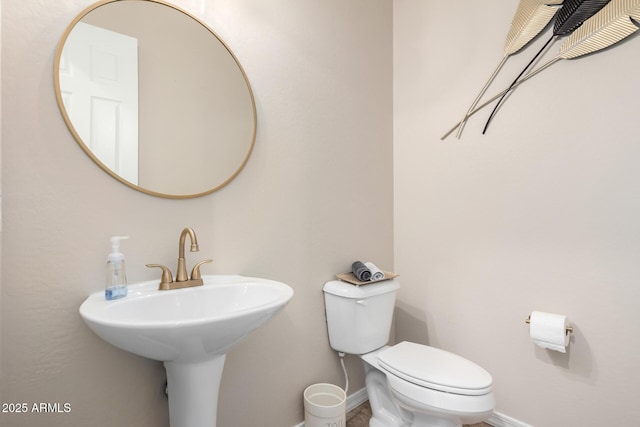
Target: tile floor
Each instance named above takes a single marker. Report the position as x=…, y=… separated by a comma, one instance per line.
x=359, y=417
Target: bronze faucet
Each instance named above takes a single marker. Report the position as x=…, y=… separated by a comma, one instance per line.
x=182, y=280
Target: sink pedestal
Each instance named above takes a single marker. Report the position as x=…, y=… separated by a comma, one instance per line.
x=193, y=392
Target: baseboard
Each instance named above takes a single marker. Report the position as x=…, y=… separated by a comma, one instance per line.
x=501, y=420
x=356, y=399
x=353, y=401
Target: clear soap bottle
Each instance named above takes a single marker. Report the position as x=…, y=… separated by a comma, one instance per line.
x=116, y=284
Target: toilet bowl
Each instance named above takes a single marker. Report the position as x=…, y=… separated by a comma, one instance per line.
x=408, y=384
x=432, y=386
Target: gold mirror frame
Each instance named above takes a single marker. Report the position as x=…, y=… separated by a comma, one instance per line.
x=87, y=150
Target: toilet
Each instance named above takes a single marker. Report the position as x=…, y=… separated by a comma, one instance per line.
x=408, y=384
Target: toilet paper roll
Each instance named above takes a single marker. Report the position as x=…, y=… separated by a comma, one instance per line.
x=549, y=330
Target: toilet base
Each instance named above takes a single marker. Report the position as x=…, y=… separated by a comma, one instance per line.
x=421, y=420
x=389, y=411
x=375, y=423
x=384, y=411
x=424, y=420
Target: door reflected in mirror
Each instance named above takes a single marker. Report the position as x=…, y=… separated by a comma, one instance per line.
x=155, y=98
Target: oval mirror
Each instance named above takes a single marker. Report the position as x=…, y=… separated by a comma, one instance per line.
x=155, y=97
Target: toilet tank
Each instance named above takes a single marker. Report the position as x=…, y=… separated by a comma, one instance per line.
x=359, y=317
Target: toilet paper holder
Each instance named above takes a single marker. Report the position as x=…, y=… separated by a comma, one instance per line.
x=568, y=331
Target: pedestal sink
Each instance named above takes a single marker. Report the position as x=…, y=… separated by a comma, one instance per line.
x=190, y=330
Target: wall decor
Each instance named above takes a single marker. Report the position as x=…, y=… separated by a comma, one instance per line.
x=571, y=15
x=613, y=23
x=531, y=17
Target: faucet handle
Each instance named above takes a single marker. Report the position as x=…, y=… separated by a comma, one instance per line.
x=167, y=277
x=195, y=273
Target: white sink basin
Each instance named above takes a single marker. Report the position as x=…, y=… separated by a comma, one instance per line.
x=185, y=324
x=189, y=329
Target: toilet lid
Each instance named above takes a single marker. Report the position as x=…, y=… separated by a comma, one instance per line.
x=434, y=368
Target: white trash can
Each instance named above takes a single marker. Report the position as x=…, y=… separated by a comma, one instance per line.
x=324, y=406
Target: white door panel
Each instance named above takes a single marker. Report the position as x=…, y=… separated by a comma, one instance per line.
x=99, y=85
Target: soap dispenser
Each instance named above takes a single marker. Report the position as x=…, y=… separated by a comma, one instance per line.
x=116, y=285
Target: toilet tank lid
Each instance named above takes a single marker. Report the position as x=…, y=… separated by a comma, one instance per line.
x=347, y=290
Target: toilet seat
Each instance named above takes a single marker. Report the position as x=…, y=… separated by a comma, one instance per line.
x=435, y=369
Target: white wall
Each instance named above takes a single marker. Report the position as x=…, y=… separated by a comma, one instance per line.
x=304, y=207
x=539, y=214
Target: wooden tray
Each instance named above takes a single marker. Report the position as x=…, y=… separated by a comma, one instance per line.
x=351, y=278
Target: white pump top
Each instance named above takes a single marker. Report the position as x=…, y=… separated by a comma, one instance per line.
x=115, y=254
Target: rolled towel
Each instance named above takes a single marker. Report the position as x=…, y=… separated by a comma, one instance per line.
x=361, y=271
x=376, y=273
